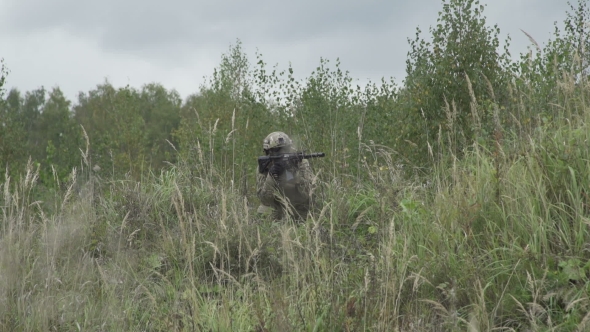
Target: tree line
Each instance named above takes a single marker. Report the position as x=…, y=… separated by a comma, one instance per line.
x=461, y=87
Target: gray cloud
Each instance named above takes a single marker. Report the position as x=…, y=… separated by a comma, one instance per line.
x=76, y=44
x=144, y=24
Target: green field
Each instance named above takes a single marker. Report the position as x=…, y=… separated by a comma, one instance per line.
x=456, y=201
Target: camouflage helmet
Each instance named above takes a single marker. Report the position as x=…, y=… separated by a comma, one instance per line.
x=277, y=139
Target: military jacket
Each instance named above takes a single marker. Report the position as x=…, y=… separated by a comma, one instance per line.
x=289, y=193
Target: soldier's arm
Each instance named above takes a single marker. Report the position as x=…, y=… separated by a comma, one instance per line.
x=305, y=179
x=265, y=189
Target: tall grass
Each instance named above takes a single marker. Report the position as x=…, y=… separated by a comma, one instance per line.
x=495, y=240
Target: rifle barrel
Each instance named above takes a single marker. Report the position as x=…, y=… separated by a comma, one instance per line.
x=300, y=155
x=314, y=155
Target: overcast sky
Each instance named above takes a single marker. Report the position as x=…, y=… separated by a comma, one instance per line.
x=77, y=44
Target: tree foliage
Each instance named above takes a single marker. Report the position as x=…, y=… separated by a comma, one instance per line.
x=460, y=88
x=130, y=131
x=458, y=66
x=540, y=72
x=12, y=131
x=3, y=74
x=60, y=136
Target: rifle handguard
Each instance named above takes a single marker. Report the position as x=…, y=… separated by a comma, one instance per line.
x=264, y=161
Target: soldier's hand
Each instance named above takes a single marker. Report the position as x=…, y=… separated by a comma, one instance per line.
x=277, y=169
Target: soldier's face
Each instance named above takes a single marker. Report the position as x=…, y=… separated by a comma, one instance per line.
x=272, y=151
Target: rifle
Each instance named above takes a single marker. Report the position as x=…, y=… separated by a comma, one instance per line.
x=264, y=161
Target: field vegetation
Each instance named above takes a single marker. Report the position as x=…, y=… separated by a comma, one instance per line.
x=458, y=200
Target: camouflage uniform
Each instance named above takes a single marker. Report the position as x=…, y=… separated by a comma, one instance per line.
x=288, y=192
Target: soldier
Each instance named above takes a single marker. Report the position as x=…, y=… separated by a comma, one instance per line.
x=283, y=187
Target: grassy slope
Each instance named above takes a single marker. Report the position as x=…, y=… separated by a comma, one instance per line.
x=497, y=239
